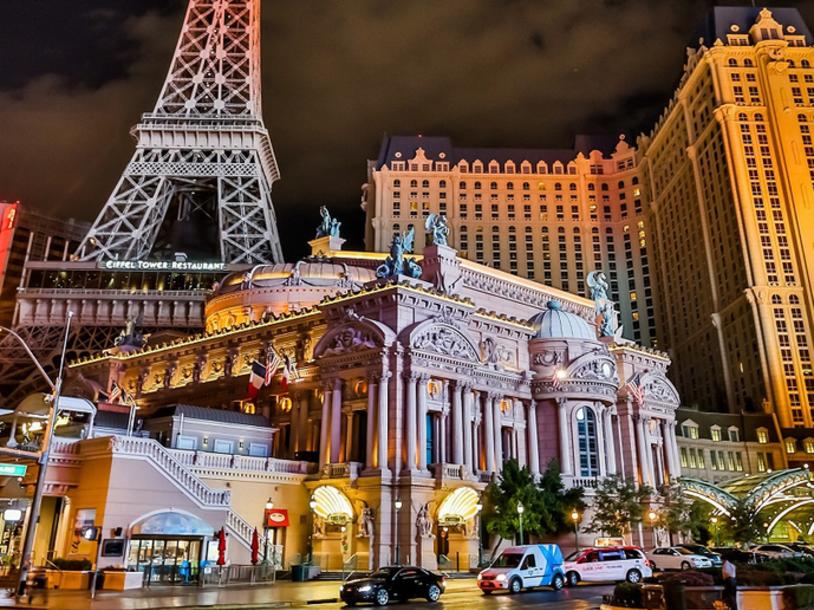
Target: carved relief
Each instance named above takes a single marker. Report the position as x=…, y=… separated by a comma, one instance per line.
x=446, y=341
x=349, y=339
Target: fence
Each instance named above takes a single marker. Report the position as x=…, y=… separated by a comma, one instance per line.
x=209, y=575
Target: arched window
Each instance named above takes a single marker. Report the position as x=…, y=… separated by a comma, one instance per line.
x=414, y=184
x=733, y=61
x=621, y=184
x=805, y=63
x=758, y=116
x=526, y=186
x=493, y=186
x=396, y=184
x=635, y=180
x=587, y=442
x=442, y=184
x=557, y=186
x=747, y=63
x=477, y=186
x=510, y=186
x=425, y=184
x=776, y=300
x=604, y=186
x=462, y=185
x=572, y=186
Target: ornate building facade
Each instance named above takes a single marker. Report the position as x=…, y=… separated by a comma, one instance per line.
x=409, y=389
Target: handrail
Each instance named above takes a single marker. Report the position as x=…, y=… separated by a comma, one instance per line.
x=345, y=563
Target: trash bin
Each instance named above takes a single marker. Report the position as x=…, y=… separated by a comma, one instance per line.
x=298, y=573
x=674, y=597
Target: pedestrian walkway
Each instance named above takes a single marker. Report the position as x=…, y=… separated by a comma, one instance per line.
x=280, y=595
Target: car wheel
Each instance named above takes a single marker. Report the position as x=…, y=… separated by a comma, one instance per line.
x=572, y=578
x=433, y=593
x=558, y=582
x=515, y=585
x=382, y=597
x=634, y=576
x=487, y=591
x=685, y=565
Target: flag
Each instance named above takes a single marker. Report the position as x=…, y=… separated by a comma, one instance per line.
x=635, y=390
x=290, y=371
x=257, y=379
x=273, y=365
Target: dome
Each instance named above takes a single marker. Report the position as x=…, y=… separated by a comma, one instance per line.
x=554, y=323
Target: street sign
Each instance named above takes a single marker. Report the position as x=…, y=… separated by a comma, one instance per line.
x=13, y=470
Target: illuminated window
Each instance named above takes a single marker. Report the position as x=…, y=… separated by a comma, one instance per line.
x=588, y=446
x=791, y=445
x=715, y=432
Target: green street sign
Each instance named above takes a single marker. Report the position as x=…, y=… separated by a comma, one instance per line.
x=13, y=470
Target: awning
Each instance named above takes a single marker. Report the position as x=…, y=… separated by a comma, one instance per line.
x=277, y=517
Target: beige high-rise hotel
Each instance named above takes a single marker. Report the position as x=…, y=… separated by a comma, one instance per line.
x=705, y=228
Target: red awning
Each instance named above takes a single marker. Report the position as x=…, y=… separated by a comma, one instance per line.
x=277, y=517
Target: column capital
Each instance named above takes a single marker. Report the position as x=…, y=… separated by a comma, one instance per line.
x=412, y=376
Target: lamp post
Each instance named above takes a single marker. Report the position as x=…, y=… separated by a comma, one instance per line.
x=479, y=508
x=714, y=521
x=313, y=506
x=397, y=505
x=36, y=501
x=520, y=510
x=766, y=527
x=653, y=516
x=269, y=506
x=575, y=519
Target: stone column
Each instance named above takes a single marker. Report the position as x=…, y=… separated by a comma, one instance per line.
x=600, y=440
x=370, y=433
x=610, y=443
x=521, y=453
x=305, y=406
x=457, y=425
x=324, y=439
x=348, y=439
x=534, y=445
x=410, y=446
x=566, y=459
x=383, y=442
x=498, y=431
x=489, y=432
x=422, y=422
x=466, y=427
x=336, y=420
x=644, y=465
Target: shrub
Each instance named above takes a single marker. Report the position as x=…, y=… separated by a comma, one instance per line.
x=760, y=578
x=73, y=565
x=799, y=597
x=689, y=578
x=627, y=595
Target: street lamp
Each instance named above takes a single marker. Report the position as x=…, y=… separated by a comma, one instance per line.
x=478, y=509
x=520, y=510
x=575, y=519
x=714, y=521
x=36, y=501
x=397, y=505
x=269, y=506
x=313, y=506
x=766, y=527
x=653, y=516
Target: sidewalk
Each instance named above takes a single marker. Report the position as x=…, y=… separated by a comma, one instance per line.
x=283, y=594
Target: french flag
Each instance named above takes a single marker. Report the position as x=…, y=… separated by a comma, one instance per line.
x=257, y=379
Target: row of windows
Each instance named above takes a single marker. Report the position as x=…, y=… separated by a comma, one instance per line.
x=690, y=430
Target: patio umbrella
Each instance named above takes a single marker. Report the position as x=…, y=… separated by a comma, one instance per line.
x=221, y=547
x=255, y=548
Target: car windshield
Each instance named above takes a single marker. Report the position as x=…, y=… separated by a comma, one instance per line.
x=573, y=556
x=384, y=572
x=697, y=548
x=684, y=551
x=507, y=560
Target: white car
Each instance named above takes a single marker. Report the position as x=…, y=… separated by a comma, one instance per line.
x=606, y=564
x=677, y=558
x=776, y=551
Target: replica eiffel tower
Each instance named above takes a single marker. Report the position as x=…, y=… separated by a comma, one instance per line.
x=193, y=204
x=200, y=180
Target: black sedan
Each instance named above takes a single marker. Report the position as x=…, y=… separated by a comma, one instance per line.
x=393, y=582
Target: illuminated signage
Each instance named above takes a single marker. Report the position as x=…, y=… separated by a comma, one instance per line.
x=13, y=470
x=12, y=514
x=180, y=266
x=9, y=217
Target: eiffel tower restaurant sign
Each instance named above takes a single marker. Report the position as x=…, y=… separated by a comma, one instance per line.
x=177, y=266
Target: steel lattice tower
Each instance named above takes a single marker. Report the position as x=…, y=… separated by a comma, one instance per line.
x=200, y=179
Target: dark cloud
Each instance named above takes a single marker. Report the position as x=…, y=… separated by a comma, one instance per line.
x=337, y=75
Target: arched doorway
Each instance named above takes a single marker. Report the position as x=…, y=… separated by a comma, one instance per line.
x=332, y=533
x=457, y=536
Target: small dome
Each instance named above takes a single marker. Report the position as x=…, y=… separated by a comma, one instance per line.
x=554, y=323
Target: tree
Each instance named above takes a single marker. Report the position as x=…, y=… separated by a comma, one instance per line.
x=546, y=504
x=676, y=513
x=618, y=506
x=743, y=524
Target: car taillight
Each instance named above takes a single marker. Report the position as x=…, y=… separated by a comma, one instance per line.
x=648, y=563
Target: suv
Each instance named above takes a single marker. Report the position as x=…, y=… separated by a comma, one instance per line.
x=700, y=549
x=776, y=551
x=607, y=564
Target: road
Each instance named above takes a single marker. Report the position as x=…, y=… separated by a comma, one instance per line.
x=316, y=595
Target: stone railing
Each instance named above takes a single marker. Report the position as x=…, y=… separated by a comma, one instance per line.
x=172, y=469
x=204, y=460
x=342, y=470
x=584, y=482
x=449, y=471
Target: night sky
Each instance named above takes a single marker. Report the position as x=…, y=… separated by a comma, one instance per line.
x=338, y=74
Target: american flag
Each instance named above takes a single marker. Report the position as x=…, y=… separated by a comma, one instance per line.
x=635, y=390
x=273, y=365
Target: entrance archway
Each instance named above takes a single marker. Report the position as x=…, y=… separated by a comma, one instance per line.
x=457, y=536
x=332, y=537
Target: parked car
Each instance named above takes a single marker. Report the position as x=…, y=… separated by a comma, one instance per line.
x=700, y=549
x=806, y=549
x=738, y=555
x=776, y=551
x=607, y=564
x=524, y=567
x=393, y=582
x=677, y=558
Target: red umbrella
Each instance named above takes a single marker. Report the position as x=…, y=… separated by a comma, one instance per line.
x=255, y=548
x=221, y=548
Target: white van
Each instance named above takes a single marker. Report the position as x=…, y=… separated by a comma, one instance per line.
x=524, y=567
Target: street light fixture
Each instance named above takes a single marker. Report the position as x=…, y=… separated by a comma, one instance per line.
x=397, y=505
x=36, y=501
x=269, y=506
x=575, y=519
x=520, y=510
x=714, y=521
x=653, y=516
x=313, y=506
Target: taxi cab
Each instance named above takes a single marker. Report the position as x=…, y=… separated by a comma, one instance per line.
x=607, y=564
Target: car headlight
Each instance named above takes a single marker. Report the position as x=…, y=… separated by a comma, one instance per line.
x=365, y=588
x=501, y=577
x=480, y=576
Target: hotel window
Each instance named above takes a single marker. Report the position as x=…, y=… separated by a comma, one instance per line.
x=715, y=433
x=738, y=462
x=791, y=445
x=689, y=430
x=761, y=462
x=693, y=458
x=713, y=461
x=684, y=462
x=730, y=460
x=734, y=434
x=808, y=445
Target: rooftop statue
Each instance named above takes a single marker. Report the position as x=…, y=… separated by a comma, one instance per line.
x=606, y=315
x=130, y=337
x=330, y=226
x=438, y=229
x=396, y=264
x=408, y=239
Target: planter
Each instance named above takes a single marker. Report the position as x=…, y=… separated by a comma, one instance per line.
x=118, y=580
x=68, y=580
